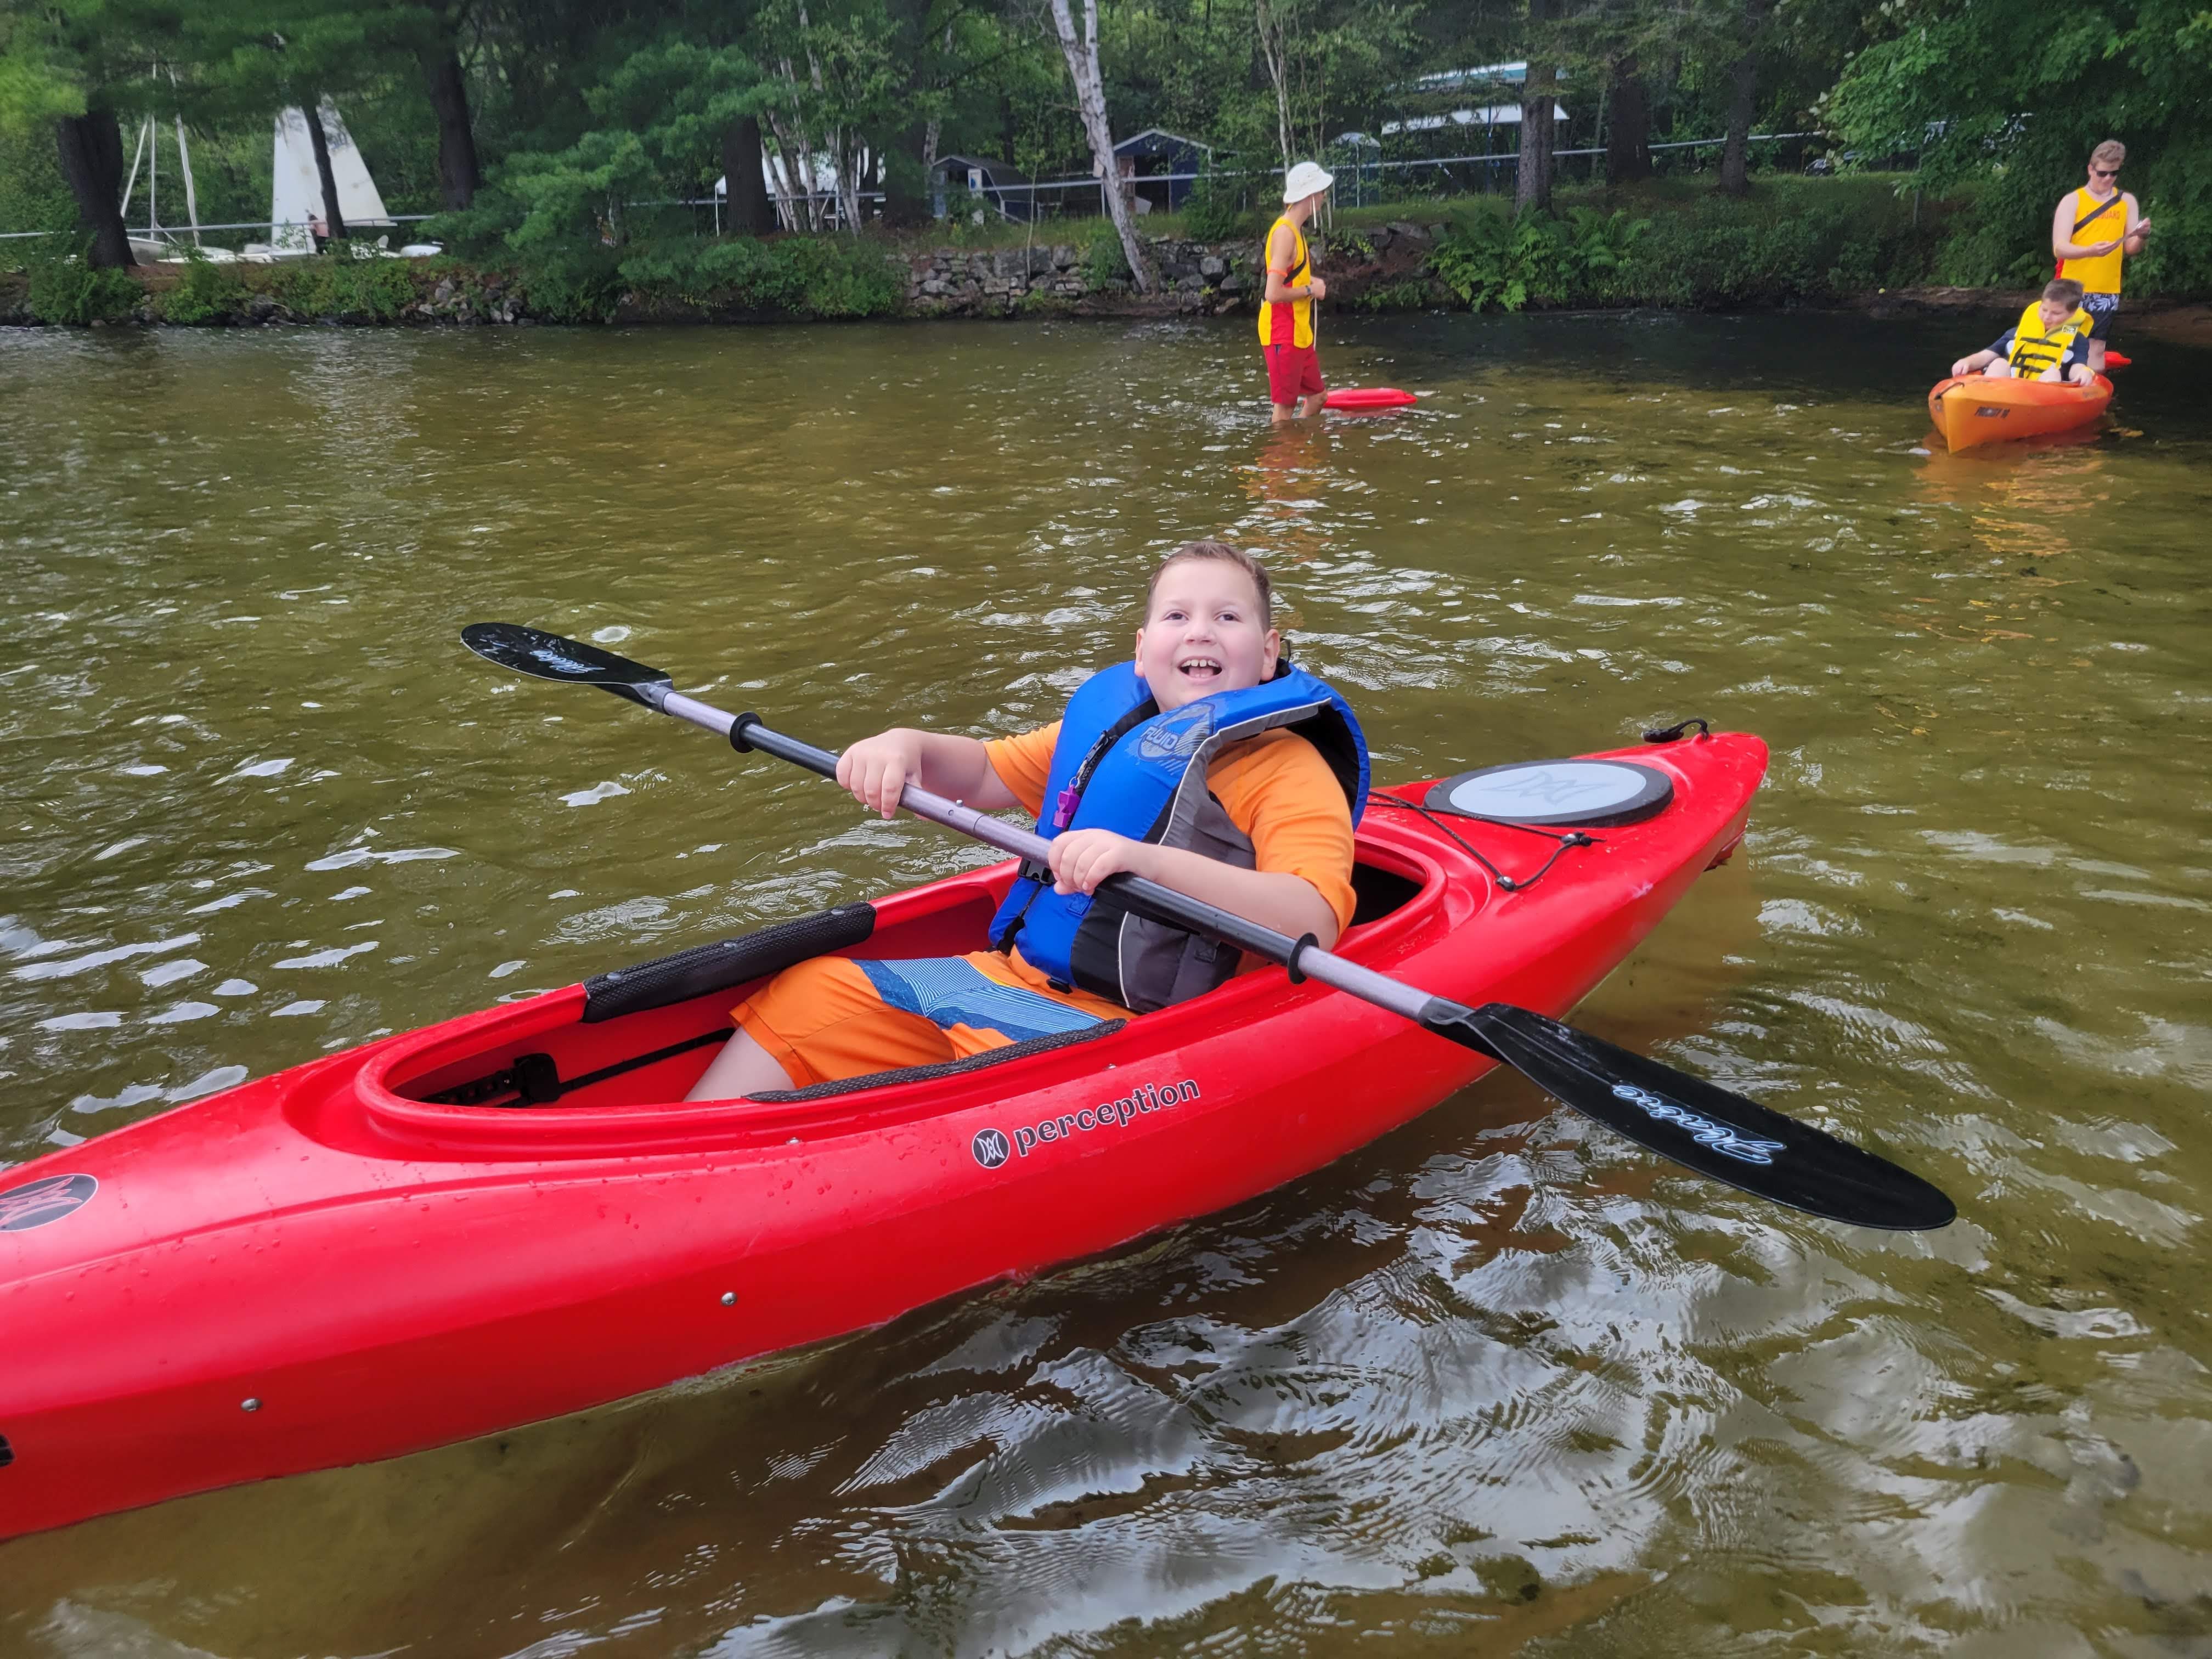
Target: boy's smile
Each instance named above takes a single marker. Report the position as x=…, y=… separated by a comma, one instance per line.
x=1204, y=634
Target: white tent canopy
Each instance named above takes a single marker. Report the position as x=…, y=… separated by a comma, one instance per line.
x=1491, y=115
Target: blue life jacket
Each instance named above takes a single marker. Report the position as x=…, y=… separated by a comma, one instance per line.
x=1119, y=764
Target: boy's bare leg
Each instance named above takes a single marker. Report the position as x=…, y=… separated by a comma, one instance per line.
x=1285, y=412
x=1999, y=370
x=1311, y=404
x=743, y=1068
x=2096, y=357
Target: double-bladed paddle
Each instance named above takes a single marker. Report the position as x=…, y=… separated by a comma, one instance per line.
x=1699, y=1125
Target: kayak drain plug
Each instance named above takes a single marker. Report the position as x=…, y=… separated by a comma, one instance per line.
x=249, y=1405
x=729, y=1298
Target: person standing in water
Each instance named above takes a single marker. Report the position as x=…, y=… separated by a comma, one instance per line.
x=1287, y=331
x=2094, y=228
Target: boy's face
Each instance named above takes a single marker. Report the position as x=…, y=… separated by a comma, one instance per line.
x=1203, y=633
x=2055, y=311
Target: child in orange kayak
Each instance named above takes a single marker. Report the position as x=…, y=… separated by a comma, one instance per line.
x=1208, y=764
x=2049, y=342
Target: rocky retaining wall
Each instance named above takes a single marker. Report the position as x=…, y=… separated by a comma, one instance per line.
x=1383, y=268
x=1196, y=277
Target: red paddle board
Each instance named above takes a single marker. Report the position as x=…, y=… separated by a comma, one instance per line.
x=1362, y=399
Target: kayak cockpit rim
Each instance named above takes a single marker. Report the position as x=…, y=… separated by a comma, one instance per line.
x=644, y=1108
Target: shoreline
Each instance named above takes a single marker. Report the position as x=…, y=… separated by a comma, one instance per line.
x=1036, y=283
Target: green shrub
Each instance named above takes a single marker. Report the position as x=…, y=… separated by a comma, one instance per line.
x=804, y=276
x=1103, y=260
x=1215, y=211
x=206, y=293
x=1489, y=259
x=66, y=288
x=342, y=284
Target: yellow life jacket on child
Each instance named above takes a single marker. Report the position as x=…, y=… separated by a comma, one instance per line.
x=2034, y=348
x=1301, y=273
x=2097, y=221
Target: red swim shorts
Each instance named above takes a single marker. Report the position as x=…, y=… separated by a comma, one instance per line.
x=1293, y=371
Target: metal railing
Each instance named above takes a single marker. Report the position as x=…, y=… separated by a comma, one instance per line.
x=1062, y=186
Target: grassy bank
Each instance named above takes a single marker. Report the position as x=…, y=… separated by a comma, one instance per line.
x=1671, y=243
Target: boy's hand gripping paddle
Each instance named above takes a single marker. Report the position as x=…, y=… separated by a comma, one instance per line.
x=1698, y=1124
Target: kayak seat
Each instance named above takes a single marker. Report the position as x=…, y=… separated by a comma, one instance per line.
x=562, y=1064
x=1022, y=1050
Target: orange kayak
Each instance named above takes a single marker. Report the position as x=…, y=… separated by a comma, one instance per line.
x=1971, y=409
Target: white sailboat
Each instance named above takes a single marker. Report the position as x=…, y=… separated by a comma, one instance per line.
x=296, y=189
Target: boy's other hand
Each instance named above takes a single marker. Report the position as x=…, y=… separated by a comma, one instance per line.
x=1081, y=859
x=878, y=769
x=1317, y=288
x=1963, y=367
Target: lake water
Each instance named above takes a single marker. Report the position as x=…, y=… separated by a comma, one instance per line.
x=1497, y=1383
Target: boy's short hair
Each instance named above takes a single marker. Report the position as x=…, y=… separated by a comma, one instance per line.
x=2063, y=290
x=1227, y=554
x=2109, y=154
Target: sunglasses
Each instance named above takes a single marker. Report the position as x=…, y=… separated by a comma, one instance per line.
x=2106, y=172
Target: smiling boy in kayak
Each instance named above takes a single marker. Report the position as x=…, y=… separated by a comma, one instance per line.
x=2049, y=341
x=1206, y=764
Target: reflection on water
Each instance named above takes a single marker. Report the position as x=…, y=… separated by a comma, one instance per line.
x=1495, y=1383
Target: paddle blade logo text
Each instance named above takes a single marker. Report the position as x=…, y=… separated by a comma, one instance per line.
x=1703, y=1130
x=35, y=1203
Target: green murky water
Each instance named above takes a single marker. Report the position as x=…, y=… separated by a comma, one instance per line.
x=1494, y=1385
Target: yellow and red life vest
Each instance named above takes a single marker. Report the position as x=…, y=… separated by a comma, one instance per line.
x=1301, y=273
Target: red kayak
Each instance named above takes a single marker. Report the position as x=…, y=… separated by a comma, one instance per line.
x=510, y=1216
x=1367, y=400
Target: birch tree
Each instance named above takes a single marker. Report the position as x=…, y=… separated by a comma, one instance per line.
x=1081, y=51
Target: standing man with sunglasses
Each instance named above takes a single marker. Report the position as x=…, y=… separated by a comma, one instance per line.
x=2093, y=229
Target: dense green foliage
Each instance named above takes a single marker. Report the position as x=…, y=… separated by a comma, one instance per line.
x=67, y=288
x=1793, y=241
x=602, y=131
x=2017, y=95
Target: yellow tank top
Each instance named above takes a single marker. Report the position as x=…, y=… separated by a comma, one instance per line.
x=1301, y=273
x=2102, y=275
x=2034, y=348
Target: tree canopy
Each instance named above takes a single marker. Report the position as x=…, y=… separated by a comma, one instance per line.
x=557, y=123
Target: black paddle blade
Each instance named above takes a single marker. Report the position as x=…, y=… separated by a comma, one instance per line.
x=1702, y=1125
x=545, y=656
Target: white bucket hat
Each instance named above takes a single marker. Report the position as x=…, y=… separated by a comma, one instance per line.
x=1307, y=178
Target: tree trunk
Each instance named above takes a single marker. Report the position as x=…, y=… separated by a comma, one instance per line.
x=1081, y=55
x=1743, y=104
x=906, y=178
x=746, y=211
x=459, y=174
x=1274, y=49
x=1532, y=183
x=334, y=226
x=91, y=153
x=1628, y=135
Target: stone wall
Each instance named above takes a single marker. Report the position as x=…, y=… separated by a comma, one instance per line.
x=1389, y=263
x=1057, y=278
x=1386, y=268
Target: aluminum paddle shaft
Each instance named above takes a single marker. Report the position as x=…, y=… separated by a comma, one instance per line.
x=1697, y=1123
x=1302, y=957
